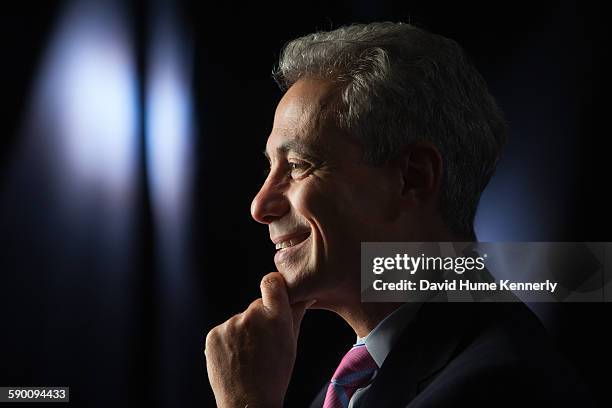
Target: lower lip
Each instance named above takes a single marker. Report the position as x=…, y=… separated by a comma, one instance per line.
x=282, y=254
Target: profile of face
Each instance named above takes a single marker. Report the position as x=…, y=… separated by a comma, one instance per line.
x=320, y=200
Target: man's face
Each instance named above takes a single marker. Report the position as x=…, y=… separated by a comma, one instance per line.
x=320, y=200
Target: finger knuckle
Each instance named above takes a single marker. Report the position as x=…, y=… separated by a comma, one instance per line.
x=212, y=338
x=255, y=305
x=236, y=319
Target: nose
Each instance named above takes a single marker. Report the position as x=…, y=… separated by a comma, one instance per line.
x=270, y=203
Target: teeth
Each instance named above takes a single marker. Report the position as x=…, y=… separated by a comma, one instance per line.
x=284, y=244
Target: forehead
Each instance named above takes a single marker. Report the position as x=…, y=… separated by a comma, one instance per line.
x=303, y=118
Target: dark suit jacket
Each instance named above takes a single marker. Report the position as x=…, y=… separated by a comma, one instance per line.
x=472, y=355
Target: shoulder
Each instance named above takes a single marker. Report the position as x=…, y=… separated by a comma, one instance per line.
x=506, y=360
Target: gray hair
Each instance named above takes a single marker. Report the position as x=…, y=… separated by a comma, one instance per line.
x=399, y=84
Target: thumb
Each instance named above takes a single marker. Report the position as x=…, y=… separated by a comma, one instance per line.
x=274, y=294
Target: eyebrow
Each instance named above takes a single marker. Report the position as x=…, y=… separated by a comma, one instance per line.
x=306, y=150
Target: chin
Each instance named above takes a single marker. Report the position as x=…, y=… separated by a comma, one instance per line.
x=305, y=275
x=301, y=285
x=313, y=284
x=294, y=264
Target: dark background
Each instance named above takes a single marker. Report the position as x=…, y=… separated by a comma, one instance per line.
x=76, y=312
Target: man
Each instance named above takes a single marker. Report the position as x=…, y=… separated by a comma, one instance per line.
x=385, y=133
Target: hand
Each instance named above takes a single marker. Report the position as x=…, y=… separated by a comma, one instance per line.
x=250, y=357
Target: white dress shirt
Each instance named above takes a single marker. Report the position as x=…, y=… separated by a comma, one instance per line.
x=380, y=341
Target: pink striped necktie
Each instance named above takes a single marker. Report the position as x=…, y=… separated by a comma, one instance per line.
x=355, y=371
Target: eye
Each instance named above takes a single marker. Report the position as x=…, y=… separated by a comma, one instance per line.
x=298, y=168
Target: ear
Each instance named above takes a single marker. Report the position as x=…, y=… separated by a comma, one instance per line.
x=421, y=170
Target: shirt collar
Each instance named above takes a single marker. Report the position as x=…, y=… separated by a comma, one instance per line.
x=382, y=338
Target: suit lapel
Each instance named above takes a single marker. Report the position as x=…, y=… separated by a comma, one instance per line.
x=320, y=398
x=424, y=348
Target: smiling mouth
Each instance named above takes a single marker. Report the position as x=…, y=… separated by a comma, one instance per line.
x=293, y=241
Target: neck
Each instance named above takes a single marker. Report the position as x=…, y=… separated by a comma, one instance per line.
x=364, y=317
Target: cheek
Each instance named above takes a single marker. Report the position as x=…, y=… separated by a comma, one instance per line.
x=373, y=201
x=366, y=204
x=317, y=201
x=339, y=210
